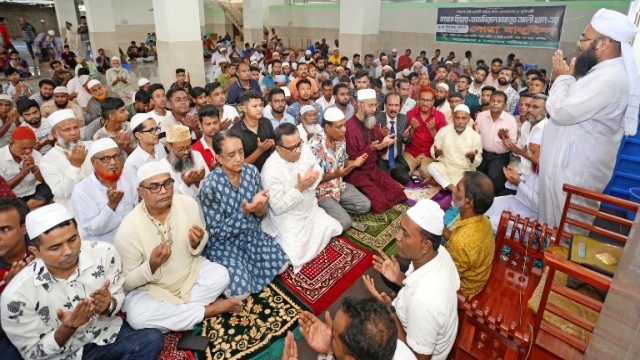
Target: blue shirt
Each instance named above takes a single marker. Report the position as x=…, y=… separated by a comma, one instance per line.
x=235, y=91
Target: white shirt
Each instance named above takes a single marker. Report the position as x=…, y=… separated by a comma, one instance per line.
x=403, y=352
x=324, y=104
x=303, y=132
x=526, y=132
x=229, y=113
x=10, y=168
x=157, y=117
x=61, y=176
x=96, y=220
x=30, y=301
x=180, y=187
x=398, y=136
x=294, y=218
x=75, y=87
x=138, y=158
x=42, y=133
x=427, y=306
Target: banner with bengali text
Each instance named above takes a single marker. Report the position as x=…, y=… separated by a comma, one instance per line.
x=526, y=26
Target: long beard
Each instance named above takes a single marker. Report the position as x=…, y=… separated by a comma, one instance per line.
x=439, y=102
x=181, y=164
x=585, y=62
x=370, y=122
x=108, y=176
x=310, y=129
x=66, y=145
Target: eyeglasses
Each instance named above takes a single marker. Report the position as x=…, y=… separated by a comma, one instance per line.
x=292, y=148
x=425, y=101
x=107, y=159
x=155, y=187
x=152, y=130
x=184, y=149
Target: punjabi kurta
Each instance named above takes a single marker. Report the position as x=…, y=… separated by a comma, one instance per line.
x=583, y=135
x=374, y=183
x=299, y=225
x=61, y=176
x=96, y=220
x=252, y=257
x=453, y=163
x=180, y=187
x=524, y=202
x=139, y=234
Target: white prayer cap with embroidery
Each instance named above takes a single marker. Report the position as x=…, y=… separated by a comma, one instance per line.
x=462, y=107
x=150, y=170
x=286, y=90
x=138, y=119
x=61, y=90
x=428, y=215
x=102, y=145
x=59, y=116
x=333, y=114
x=443, y=85
x=93, y=83
x=619, y=27
x=143, y=82
x=306, y=109
x=366, y=94
x=45, y=218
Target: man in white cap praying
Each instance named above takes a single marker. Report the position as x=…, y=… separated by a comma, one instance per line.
x=118, y=78
x=364, y=136
x=187, y=167
x=294, y=219
x=64, y=304
x=149, y=149
x=308, y=126
x=441, y=103
x=60, y=101
x=98, y=94
x=426, y=307
x=170, y=286
x=104, y=198
x=334, y=195
x=593, y=102
x=456, y=148
x=67, y=163
x=143, y=84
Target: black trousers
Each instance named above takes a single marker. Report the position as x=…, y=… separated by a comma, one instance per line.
x=400, y=171
x=492, y=165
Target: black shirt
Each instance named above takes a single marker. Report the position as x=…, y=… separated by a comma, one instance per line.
x=250, y=139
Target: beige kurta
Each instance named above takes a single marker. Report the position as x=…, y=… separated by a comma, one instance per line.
x=137, y=237
x=453, y=162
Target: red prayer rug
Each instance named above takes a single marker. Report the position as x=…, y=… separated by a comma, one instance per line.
x=170, y=350
x=322, y=280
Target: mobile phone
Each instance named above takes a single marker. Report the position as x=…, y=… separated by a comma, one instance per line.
x=193, y=342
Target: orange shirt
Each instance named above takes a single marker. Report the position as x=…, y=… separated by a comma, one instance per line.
x=294, y=90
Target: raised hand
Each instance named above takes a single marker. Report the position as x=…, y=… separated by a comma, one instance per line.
x=101, y=298
x=191, y=120
x=260, y=201
x=511, y=175
x=370, y=285
x=560, y=66
x=122, y=139
x=414, y=124
x=15, y=269
x=309, y=178
x=114, y=197
x=388, y=140
x=471, y=155
x=77, y=155
x=195, y=236
x=266, y=145
x=159, y=256
x=341, y=172
x=79, y=316
x=290, y=351
x=385, y=130
x=315, y=332
x=431, y=125
x=360, y=160
x=388, y=267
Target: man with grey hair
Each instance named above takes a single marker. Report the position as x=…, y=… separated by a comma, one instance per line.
x=186, y=167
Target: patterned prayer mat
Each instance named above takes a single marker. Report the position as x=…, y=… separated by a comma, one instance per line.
x=381, y=228
x=256, y=333
x=170, y=350
x=321, y=281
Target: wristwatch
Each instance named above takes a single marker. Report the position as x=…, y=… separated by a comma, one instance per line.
x=111, y=308
x=392, y=309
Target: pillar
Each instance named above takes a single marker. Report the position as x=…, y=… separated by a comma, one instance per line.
x=102, y=27
x=66, y=10
x=359, y=26
x=179, y=44
x=201, y=17
x=253, y=21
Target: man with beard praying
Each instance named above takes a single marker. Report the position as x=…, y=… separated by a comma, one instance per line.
x=364, y=135
x=591, y=104
x=94, y=108
x=186, y=167
x=61, y=101
x=67, y=163
x=118, y=78
x=102, y=199
x=30, y=113
x=149, y=149
x=308, y=125
x=441, y=104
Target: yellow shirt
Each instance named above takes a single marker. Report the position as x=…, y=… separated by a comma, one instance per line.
x=334, y=59
x=471, y=246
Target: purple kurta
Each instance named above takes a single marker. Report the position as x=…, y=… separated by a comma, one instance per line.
x=375, y=184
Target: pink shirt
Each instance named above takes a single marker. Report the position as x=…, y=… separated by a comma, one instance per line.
x=488, y=130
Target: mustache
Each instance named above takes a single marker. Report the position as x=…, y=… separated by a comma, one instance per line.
x=180, y=164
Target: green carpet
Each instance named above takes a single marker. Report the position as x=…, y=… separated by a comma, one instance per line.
x=381, y=229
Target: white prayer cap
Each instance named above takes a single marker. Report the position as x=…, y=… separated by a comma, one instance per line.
x=138, y=119
x=336, y=49
x=279, y=78
x=286, y=63
x=306, y=109
x=83, y=79
x=428, y=215
x=254, y=62
x=394, y=50
x=448, y=62
x=275, y=53
x=308, y=52
x=462, y=107
x=443, y=85
x=223, y=49
x=177, y=133
x=286, y=90
x=294, y=66
x=406, y=72
x=59, y=116
x=339, y=68
x=384, y=57
x=333, y=114
x=93, y=83
x=151, y=169
x=61, y=90
x=536, y=137
x=115, y=58
x=5, y=97
x=143, y=82
x=620, y=28
x=366, y=94
x=51, y=32
x=387, y=68
x=101, y=145
x=455, y=60
x=45, y=218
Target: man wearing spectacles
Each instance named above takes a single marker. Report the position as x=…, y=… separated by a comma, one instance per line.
x=103, y=199
x=294, y=218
